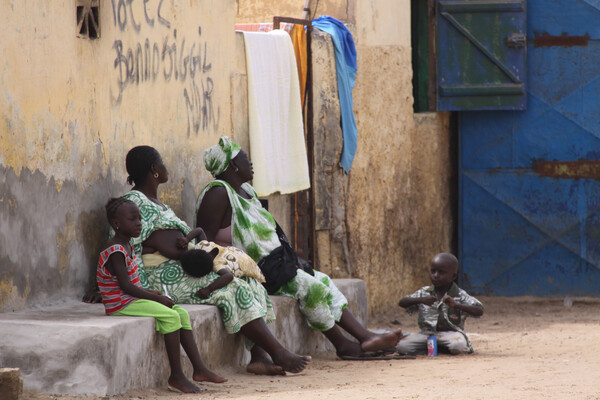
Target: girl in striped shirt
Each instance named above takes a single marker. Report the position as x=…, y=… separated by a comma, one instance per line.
x=122, y=294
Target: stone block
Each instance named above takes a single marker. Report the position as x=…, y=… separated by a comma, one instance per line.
x=11, y=384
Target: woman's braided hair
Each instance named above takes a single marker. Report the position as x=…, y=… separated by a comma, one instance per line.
x=113, y=205
x=139, y=162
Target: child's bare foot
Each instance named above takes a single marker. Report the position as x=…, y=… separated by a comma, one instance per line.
x=207, y=375
x=382, y=341
x=183, y=385
x=291, y=362
x=264, y=367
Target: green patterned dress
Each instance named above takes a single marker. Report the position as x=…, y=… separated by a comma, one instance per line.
x=241, y=301
x=253, y=229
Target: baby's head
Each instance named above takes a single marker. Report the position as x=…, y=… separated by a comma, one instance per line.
x=198, y=263
x=443, y=269
x=123, y=215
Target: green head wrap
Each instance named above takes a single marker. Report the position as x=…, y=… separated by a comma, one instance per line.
x=217, y=157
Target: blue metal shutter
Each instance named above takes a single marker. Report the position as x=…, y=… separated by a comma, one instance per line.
x=481, y=51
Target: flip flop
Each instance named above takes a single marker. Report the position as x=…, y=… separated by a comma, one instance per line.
x=367, y=357
x=174, y=389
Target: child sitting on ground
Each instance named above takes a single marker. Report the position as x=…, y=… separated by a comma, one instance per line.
x=442, y=308
x=122, y=294
x=227, y=262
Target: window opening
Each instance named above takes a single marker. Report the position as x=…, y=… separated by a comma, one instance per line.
x=88, y=22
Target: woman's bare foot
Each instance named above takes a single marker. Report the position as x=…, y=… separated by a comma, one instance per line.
x=182, y=384
x=291, y=362
x=261, y=363
x=264, y=367
x=382, y=341
x=348, y=349
x=207, y=375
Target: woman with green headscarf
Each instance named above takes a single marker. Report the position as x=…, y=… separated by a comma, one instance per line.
x=230, y=213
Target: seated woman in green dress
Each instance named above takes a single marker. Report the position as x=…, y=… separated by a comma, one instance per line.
x=230, y=213
x=244, y=303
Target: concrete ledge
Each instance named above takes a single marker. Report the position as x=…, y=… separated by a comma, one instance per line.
x=74, y=348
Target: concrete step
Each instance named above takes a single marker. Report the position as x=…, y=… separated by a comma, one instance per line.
x=74, y=348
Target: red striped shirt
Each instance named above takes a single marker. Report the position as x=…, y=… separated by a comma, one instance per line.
x=113, y=297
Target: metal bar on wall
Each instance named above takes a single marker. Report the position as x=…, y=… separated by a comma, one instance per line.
x=303, y=235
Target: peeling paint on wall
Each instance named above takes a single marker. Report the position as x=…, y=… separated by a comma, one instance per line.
x=65, y=236
x=11, y=298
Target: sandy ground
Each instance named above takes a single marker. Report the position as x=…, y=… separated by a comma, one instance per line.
x=525, y=348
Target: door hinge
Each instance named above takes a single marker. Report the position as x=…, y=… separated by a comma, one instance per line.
x=516, y=40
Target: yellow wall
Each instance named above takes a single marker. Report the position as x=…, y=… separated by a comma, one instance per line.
x=71, y=108
x=253, y=11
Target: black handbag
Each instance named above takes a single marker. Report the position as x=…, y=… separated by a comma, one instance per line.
x=281, y=265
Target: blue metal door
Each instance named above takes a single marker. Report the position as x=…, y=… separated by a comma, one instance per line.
x=529, y=197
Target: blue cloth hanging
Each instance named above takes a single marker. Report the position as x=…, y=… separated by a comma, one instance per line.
x=345, y=64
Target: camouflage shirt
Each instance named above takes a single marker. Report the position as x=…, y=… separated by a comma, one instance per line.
x=438, y=316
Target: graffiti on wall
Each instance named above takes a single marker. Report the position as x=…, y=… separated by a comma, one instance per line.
x=175, y=58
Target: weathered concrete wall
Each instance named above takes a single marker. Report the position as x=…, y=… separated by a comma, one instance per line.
x=252, y=11
x=330, y=183
x=394, y=211
x=160, y=74
x=399, y=193
x=434, y=186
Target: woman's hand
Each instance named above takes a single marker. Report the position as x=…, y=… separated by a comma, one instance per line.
x=204, y=293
